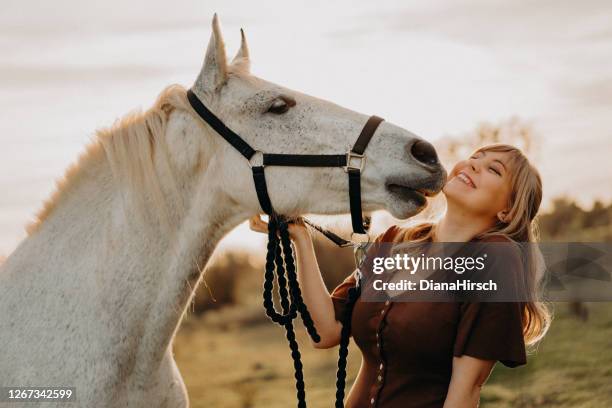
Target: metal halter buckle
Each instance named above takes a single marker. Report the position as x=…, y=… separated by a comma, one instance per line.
x=257, y=159
x=351, y=156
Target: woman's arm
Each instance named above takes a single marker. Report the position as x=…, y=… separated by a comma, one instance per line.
x=469, y=375
x=315, y=294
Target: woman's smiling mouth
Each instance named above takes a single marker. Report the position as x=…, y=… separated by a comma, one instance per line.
x=466, y=179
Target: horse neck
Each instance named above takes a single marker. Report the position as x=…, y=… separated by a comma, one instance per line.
x=209, y=217
x=133, y=284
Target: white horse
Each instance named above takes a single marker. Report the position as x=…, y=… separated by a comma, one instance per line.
x=94, y=295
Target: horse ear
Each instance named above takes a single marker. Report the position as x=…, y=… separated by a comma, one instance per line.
x=214, y=70
x=242, y=57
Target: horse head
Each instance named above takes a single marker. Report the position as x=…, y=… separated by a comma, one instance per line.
x=401, y=169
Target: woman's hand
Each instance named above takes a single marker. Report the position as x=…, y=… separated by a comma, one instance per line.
x=297, y=229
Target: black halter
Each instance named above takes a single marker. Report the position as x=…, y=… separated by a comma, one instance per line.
x=279, y=256
x=353, y=161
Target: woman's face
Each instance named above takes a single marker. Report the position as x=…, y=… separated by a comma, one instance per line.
x=481, y=184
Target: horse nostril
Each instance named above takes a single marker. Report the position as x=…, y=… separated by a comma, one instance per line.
x=424, y=152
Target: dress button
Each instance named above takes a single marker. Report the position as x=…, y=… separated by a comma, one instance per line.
x=378, y=344
x=376, y=334
x=379, y=378
x=382, y=311
x=381, y=366
x=387, y=303
x=372, y=401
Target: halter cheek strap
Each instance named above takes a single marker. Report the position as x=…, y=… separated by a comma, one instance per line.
x=353, y=161
x=354, y=172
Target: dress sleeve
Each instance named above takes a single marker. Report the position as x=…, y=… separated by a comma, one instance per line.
x=339, y=295
x=494, y=330
x=491, y=331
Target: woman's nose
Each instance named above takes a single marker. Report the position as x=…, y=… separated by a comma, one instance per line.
x=473, y=164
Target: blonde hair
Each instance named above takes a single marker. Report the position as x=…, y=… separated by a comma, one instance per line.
x=130, y=146
x=524, y=203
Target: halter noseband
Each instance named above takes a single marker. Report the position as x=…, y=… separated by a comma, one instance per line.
x=353, y=161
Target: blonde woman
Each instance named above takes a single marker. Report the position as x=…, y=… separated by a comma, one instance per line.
x=439, y=354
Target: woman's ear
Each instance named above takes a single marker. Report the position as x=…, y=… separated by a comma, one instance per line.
x=503, y=216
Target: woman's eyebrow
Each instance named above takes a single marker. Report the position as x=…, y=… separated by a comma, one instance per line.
x=500, y=162
x=497, y=160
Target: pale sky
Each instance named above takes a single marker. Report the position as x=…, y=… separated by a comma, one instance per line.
x=436, y=68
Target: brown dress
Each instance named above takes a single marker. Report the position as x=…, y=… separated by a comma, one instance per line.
x=408, y=347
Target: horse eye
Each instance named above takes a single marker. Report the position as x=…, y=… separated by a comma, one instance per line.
x=281, y=105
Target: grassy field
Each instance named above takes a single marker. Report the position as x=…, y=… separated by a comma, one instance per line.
x=235, y=358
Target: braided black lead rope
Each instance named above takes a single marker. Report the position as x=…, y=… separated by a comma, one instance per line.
x=296, y=293
x=353, y=295
x=279, y=258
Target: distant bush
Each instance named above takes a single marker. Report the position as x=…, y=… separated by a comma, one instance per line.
x=514, y=130
x=567, y=221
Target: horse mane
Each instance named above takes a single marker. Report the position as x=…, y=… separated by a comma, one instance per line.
x=130, y=146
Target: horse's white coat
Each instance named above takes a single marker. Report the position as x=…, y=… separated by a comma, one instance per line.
x=92, y=298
